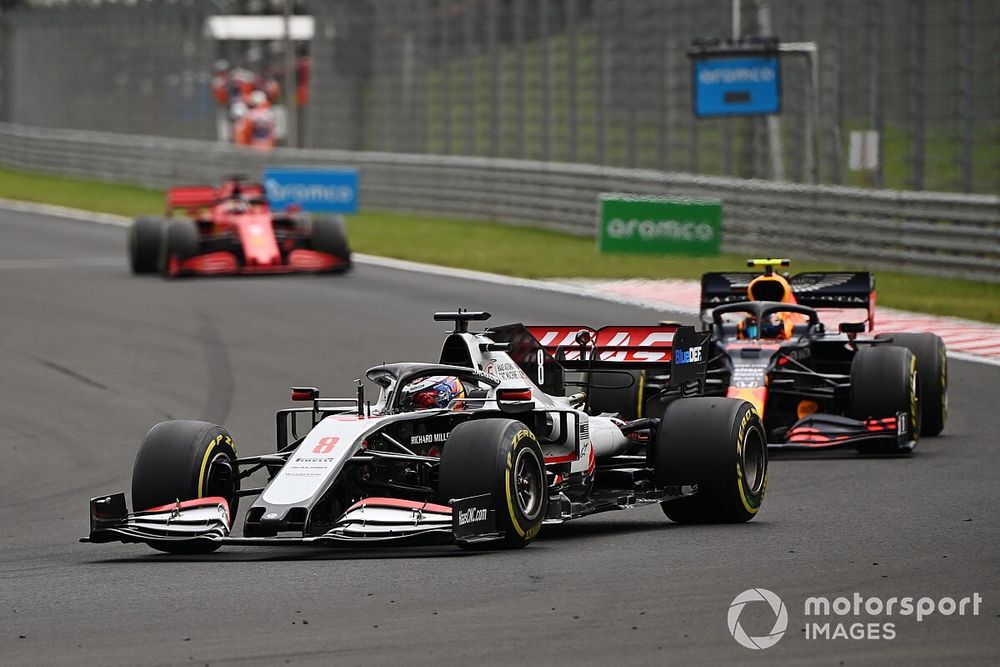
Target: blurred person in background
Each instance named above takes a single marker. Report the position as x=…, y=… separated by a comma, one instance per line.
x=256, y=128
x=271, y=85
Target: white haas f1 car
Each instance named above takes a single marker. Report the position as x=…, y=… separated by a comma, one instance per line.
x=469, y=450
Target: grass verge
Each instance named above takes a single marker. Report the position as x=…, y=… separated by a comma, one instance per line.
x=517, y=251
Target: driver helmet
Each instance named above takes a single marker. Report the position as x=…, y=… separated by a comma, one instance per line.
x=772, y=327
x=432, y=392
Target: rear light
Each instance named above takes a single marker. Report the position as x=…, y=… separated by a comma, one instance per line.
x=304, y=393
x=523, y=394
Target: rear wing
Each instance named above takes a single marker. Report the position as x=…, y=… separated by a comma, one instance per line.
x=545, y=352
x=193, y=198
x=832, y=290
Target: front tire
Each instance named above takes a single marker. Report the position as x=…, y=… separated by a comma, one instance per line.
x=500, y=457
x=144, y=237
x=718, y=444
x=185, y=460
x=932, y=369
x=180, y=242
x=329, y=235
x=884, y=382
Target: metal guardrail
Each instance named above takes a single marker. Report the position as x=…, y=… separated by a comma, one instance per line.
x=918, y=232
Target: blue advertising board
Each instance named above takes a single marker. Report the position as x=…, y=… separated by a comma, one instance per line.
x=736, y=85
x=314, y=190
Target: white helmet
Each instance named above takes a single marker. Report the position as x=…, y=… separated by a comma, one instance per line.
x=257, y=98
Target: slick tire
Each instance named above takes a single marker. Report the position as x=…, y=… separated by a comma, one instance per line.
x=718, y=444
x=329, y=235
x=180, y=242
x=144, y=237
x=932, y=370
x=884, y=381
x=616, y=394
x=500, y=457
x=185, y=460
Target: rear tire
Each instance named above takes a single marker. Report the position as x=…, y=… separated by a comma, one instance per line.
x=503, y=458
x=718, y=444
x=932, y=369
x=614, y=397
x=185, y=460
x=884, y=381
x=329, y=235
x=180, y=242
x=144, y=244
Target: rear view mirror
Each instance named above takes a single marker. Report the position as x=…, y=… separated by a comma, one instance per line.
x=852, y=327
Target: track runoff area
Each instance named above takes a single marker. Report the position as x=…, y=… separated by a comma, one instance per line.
x=860, y=559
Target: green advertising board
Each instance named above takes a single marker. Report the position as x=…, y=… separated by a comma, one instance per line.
x=665, y=225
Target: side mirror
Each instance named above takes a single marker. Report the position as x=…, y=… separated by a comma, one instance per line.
x=850, y=328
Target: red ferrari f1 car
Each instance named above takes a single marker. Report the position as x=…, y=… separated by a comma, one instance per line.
x=232, y=230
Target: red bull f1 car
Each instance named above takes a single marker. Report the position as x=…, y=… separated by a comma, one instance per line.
x=232, y=230
x=469, y=449
x=817, y=388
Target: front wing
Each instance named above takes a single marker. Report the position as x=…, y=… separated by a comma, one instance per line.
x=823, y=431
x=225, y=263
x=370, y=522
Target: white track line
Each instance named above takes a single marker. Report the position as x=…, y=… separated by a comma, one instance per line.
x=585, y=288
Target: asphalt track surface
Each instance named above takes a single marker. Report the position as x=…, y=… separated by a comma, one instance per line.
x=91, y=357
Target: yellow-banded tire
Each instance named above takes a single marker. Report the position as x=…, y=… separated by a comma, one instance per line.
x=500, y=457
x=185, y=460
x=885, y=381
x=718, y=444
x=932, y=370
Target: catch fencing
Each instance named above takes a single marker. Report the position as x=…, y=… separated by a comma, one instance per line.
x=603, y=82
x=931, y=233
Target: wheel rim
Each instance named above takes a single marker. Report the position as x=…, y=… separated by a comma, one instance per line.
x=220, y=478
x=754, y=460
x=528, y=483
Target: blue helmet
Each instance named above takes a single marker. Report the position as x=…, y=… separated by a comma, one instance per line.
x=431, y=392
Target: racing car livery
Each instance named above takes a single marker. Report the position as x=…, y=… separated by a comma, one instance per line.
x=468, y=450
x=816, y=388
x=232, y=230
x=813, y=388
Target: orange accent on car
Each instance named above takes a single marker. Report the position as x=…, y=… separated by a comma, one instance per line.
x=806, y=408
x=757, y=396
